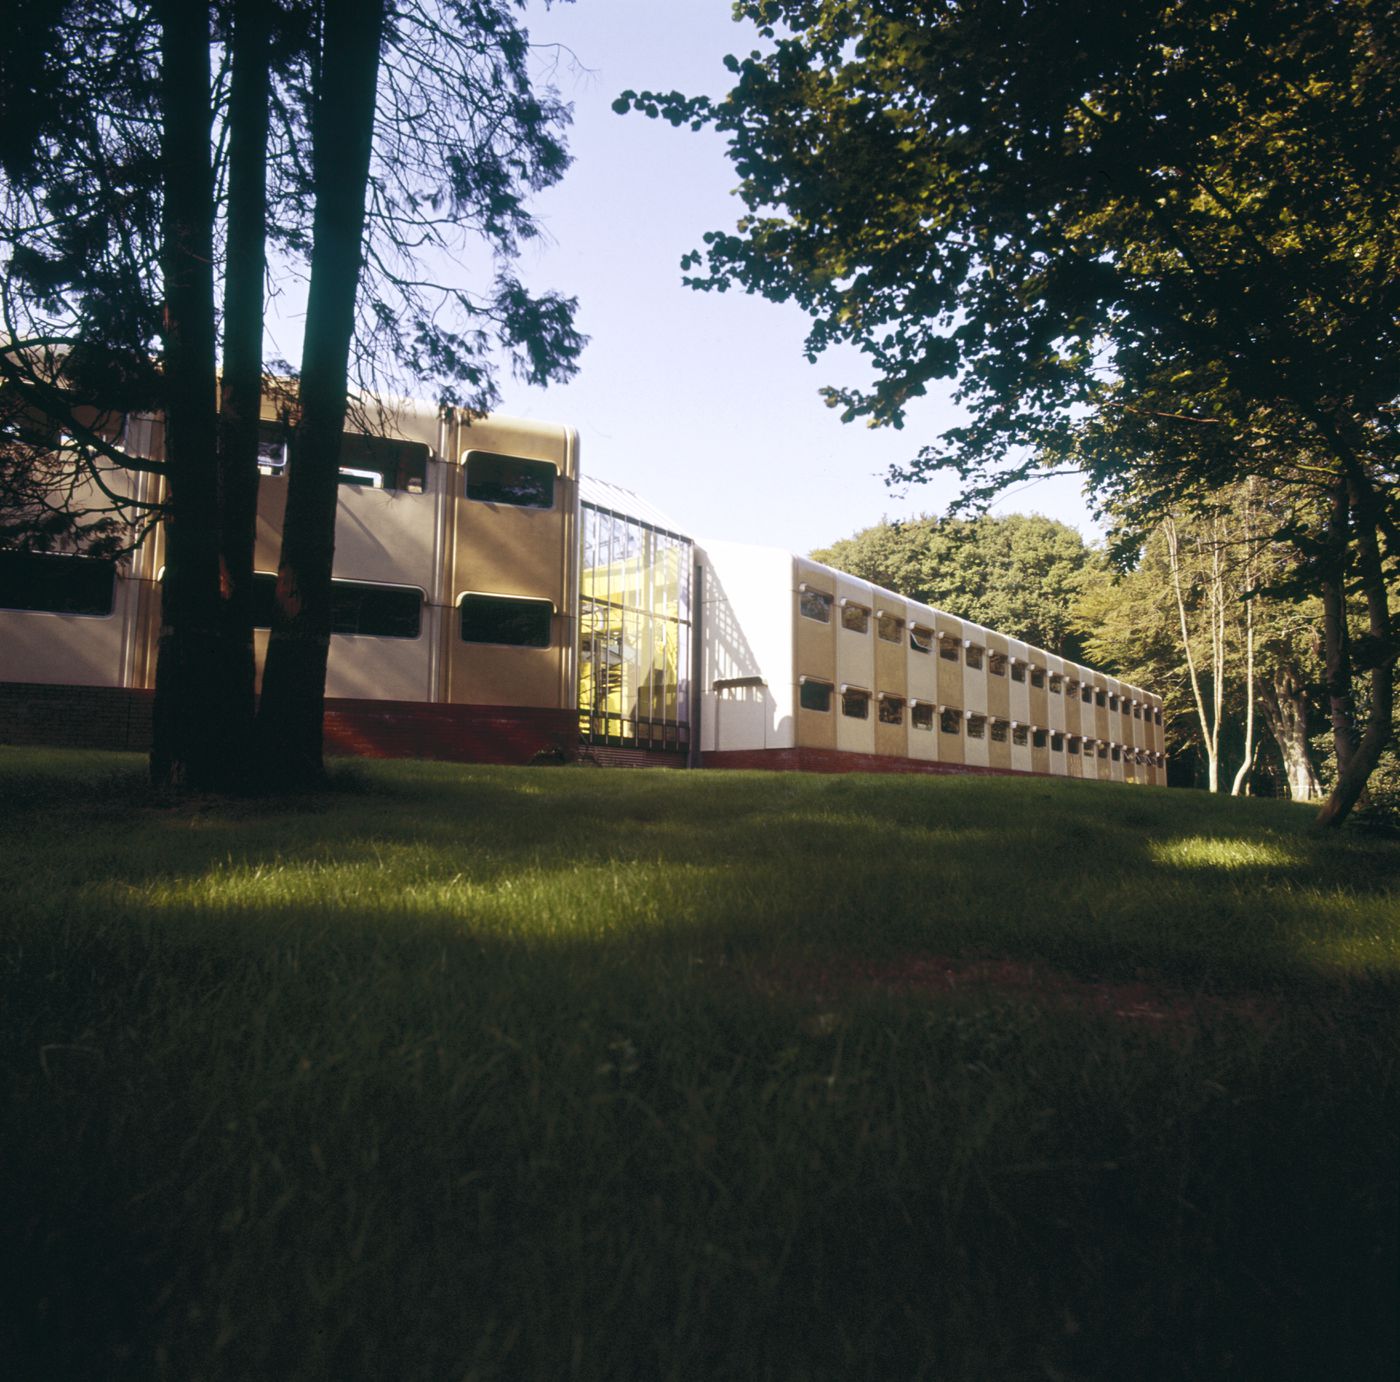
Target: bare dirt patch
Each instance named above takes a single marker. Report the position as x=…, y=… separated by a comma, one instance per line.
x=1146, y=1000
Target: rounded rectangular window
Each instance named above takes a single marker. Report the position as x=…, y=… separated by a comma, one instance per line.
x=889, y=628
x=1074, y=747
x=1021, y=735
x=1018, y=671
x=1056, y=684
x=495, y=479
x=856, y=618
x=383, y=463
x=43, y=582
x=921, y=716
x=891, y=710
x=1038, y=677
x=1038, y=739
x=272, y=455
x=996, y=664
x=1057, y=743
x=920, y=640
x=950, y=721
x=504, y=619
x=855, y=705
x=814, y=695
x=814, y=604
x=999, y=730
x=948, y=650
x=357, y=607
x=379, y=611
x=977, y=727
x=974, y=656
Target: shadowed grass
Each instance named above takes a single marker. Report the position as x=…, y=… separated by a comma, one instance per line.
x=487, y=1073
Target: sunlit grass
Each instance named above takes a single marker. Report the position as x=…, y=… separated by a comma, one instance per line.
x=468, y=1072
x=1201, y=851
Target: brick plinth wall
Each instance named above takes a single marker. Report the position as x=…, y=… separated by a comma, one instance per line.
x=453, y=733
x=80, y=717
x=840, y=761
x=107, y=717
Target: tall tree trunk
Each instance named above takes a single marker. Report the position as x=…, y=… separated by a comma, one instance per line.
x=187, y=666
x=1283, y=701
x=241, y=387
x=293, y=698
x=1379, y=661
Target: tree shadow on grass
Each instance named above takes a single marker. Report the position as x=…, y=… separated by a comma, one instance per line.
x=460, y=1068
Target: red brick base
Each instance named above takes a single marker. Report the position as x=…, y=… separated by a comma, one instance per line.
x=840, y=761
x=453, y=733
x=107, y=717
x=80, y=717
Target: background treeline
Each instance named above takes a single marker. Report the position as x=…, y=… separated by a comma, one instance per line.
x=1195, y=614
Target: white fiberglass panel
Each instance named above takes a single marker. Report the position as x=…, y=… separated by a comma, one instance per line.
x=746, y=632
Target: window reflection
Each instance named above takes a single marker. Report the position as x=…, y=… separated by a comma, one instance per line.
x=634, y=633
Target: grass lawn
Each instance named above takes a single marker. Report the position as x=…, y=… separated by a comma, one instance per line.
x=472, y=1073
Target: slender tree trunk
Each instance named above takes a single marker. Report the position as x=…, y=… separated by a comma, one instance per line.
x=293, y=699
x=241, y=391
x=1336, y=650
x=1247, y=765
x=187, y=666
x=1283, y=701
x=1248, y=762
x=1217, y=651
x=1210, y=739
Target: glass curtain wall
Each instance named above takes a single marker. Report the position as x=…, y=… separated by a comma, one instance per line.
x=634, y=633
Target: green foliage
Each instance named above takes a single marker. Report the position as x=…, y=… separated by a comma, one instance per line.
x=1020, y=574
x=1128, y=623
x=508, y=1073
x=1380, y=810
x=1187, y=215
x=463, y=136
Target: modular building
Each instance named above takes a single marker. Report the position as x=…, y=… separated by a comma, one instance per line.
x=456, y=597
x=494, y=605
x=808, y=667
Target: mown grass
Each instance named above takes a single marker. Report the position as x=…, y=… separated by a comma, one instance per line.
x=483, y=1073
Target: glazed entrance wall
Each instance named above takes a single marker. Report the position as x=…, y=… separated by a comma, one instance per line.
x=634, y=633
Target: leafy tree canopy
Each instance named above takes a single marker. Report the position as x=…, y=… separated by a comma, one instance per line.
x=1021, y=574
x=1077, y=204
x=461, y=139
